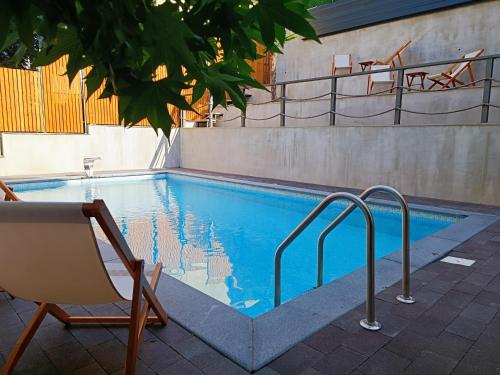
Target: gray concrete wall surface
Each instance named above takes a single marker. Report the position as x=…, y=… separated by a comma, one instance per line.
x=436, y=36
x=119, y=148
x=460, y=162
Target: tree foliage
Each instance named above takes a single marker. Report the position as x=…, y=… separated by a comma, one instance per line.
x=202, y=43
x=317, y=3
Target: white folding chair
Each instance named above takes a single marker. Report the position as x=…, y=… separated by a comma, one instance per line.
x=342, y=64
x=382, y=79
x=49, y=255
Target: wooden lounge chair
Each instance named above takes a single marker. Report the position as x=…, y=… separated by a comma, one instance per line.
x=7, y=194
x=385, y=79
x=50, y=256
x=396, y=55
x=342, y=64
x=451, y=75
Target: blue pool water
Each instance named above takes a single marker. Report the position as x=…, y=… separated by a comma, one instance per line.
x=220, y=238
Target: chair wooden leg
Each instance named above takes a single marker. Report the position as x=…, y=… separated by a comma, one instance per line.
x=471, y=75
x=151, y=298
x=147, y=307
x=25, y=339
x=134, y=329
x=58, y=313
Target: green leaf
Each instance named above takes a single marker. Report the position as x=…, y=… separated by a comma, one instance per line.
x=126, y=40
x=93, y=80
x=7, y=36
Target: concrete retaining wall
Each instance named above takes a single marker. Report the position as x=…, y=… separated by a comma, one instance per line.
x=118, y=148
x=450, y=162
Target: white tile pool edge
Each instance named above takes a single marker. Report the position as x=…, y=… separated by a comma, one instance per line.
x=252, y=343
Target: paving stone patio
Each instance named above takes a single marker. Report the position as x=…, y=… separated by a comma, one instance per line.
x=454, y=328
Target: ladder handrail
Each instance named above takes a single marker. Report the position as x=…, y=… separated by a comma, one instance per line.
x=405, y=229
x=369, y=322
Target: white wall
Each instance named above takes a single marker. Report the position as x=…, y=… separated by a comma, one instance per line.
x=118, y=148
x=449, y=162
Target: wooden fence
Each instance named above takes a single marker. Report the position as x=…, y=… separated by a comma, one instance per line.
x=262, y=67
x=21, y=101
x=43, y=101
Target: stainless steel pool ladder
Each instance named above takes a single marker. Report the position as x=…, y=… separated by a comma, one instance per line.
x=405, y=297
x=369, y=322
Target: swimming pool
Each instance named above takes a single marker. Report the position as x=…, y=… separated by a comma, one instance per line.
x=221, y=237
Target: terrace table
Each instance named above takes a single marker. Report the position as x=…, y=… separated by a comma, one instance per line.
x=412, y=75
x=366, y=64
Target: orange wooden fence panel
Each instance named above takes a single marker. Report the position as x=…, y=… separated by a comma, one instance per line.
x=200, y=107
x=262, y=67
x=105, y=111
x=62, y=100
x=101, y=111
x=21, y=108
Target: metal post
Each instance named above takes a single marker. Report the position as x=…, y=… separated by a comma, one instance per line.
x=282, y=106
x=399, y=97
x=210, y=111
x=243, y=118
x=84, y=103
x=405, y=281
x=333, y=100
x=485, y=111
x=370, y=323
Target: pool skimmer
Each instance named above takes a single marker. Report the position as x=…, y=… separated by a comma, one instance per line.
x=459, y=261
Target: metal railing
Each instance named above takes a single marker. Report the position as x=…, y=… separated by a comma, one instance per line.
x=399, y=88
x=369, y=322
x=405, y=297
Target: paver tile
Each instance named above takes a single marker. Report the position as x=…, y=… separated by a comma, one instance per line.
x=465, y=327
x=296, y=360
x=431, y=364
x=340, y=361
x=384, y=362
x=327, y=339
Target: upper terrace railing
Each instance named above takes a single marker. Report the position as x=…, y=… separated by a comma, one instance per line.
x=333, y=94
